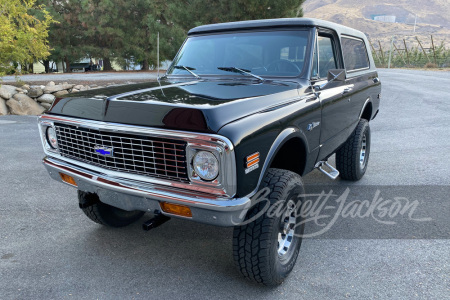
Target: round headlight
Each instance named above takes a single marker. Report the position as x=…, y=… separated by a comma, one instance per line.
x=51, y=137
x=206, y=165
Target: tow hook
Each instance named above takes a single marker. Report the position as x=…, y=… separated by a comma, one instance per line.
x=156, y=221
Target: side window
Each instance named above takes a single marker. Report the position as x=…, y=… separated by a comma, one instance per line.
x=324, y=57
x=355, y=54
x=327, y=59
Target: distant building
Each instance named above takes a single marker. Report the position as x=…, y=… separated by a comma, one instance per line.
x=39, y=68
x=384, y=18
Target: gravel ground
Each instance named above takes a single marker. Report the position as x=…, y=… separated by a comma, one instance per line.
x=50, y=250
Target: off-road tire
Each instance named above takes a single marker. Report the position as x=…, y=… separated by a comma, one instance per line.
x=105, y=214
x=348, y=157
x=255, y=245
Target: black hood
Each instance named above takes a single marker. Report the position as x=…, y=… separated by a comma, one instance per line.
x=189, y=105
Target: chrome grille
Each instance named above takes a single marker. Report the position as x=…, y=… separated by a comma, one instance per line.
x=137, y=154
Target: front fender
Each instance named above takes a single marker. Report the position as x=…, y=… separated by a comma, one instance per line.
x=258, y=133
x=284, y=136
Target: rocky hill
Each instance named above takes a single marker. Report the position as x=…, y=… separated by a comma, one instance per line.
x=432, y=17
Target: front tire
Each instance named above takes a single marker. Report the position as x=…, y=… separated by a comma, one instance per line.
x=266, y=249
x=105, y=214
x=353, y=157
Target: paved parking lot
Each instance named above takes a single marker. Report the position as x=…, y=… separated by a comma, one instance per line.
x=85, y=77
x=50, y=250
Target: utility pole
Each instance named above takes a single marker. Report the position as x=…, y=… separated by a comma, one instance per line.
x=415, y=21
x=157, y=54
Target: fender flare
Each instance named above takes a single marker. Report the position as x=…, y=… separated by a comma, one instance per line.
x=364, y=107
x=281, y=139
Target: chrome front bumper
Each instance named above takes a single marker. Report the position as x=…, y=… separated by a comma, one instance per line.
x=131, y=195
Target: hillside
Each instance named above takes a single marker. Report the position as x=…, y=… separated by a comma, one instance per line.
x=433, y=18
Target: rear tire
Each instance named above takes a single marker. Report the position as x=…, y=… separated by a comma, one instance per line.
x=353, y=157
x=105, y=214
x=266, y=249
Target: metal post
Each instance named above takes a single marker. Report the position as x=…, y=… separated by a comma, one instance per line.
x=406, y=50
x=381, y=52
x=390, y=52
x=157, y=54
x=401, y=55
x=434, y=51
x=423, y=50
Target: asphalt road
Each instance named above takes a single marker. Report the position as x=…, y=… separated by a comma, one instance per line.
x=50, y=250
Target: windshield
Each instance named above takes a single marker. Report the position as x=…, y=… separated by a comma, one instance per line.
x=275, y=53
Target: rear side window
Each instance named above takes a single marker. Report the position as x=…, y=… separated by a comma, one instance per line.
x=355, y=54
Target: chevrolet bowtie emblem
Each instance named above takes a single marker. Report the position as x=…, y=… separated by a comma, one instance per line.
x=105, y=151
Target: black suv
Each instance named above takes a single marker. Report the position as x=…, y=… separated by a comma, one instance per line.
x=244, y=111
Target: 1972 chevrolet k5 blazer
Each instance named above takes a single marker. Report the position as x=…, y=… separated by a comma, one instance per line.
x=245, y=107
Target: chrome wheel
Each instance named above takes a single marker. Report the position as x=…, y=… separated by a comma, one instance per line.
x=287, y=229
x=362, y=153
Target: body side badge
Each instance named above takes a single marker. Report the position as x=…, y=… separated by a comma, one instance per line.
x=312, y=125
x=252, y=162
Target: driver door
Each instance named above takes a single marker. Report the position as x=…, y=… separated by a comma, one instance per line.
x=334, y=97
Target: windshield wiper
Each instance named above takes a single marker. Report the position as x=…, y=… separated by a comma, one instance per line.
x=241, y=71
x=189, y=69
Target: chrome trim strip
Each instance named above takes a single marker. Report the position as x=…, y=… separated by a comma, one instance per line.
x=144, y=189
x=357, y=70
x=224, y=185
x=364, y=107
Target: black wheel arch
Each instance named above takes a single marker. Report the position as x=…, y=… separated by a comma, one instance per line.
x=367, y=110
x=290, y=141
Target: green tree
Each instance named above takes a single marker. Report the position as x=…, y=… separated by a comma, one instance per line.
x=147, y=18
x=191, y=13
x=128, y=29
x=66, y=34
x=103, y=22
x=23, y=37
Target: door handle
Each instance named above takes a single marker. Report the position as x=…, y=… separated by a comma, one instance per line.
x=312, y=97
x=346, y=90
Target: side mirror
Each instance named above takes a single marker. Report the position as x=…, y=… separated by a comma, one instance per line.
x=333, y=75
x=336, y=75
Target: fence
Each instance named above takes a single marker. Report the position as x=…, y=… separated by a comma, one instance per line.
x=410, y=52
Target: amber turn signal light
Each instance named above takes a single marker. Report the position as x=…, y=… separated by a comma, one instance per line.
x=68, y=179
x=176, y=209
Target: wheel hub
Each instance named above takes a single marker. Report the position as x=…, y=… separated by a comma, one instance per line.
x=287, y=229
x=362, y=153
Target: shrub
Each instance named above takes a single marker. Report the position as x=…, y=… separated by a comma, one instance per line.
x=430, y=65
